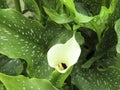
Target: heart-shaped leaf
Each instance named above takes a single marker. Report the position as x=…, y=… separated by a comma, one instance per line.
x=92, y=79
x=21, y=38
x=104, y=71
x=26, y=39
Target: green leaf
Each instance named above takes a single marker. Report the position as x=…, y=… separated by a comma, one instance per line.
x=53, y=6
x=92, y=79
x=105, y=49
x=99, y=22
x=79, y=18
x=104, y=72
x=117, y=29
x=10, y=66
x=89, y=7
x=115, y=16
x=50, y=4
x=25, y=83
x=80, y=8
x=32, y=6
x=58, y=18
x=26, y=39
x=69, y=4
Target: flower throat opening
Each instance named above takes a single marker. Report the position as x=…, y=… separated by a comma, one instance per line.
x=62, y=66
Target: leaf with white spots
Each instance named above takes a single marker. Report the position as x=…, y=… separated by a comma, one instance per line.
x=26, y=39
x=104, y=73
x=25, y=83
x=93, y=79
x=21, y=38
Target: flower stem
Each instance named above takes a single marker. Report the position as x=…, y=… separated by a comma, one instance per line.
x=58, y=79
x=17, y=5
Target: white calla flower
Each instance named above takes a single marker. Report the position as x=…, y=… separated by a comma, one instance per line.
x=63, y=56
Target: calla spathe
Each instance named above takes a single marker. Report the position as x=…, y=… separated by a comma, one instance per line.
x=63, y=56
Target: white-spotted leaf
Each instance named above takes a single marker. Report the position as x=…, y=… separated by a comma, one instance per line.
x=93, y=79
x=27, y=39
